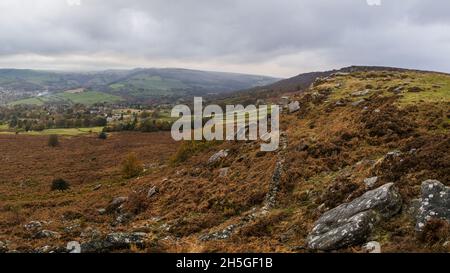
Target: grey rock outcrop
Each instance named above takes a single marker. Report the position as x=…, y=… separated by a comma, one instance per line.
x=435, y=203
x=218, y=156
x=351, y=223
x=114, y=241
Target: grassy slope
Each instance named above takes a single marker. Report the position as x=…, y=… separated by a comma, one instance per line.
x=88, y=98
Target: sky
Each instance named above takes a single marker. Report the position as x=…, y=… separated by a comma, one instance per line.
x=269, y=37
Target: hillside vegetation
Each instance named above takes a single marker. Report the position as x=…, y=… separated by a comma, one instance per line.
x=137, y=85
x=355, y=132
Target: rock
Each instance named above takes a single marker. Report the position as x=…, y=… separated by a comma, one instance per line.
x=372, y=247
x=415, y=89
x=223, y=172
x=114, y=241
x=218, y=156
x=435, y=203
x=351, y=223
x=101, y=211
x=123, y=219
x=293, y=107
x=370, y=182
x=359, y=102
x=3, y=247
x=340, y=103
x=73, y=247
x=33, y=225
x=97, y=187
x=90, y=233
x=46, y=234
x=396, y=89
x=152, y=191
x=361, y=93
x=115, y=204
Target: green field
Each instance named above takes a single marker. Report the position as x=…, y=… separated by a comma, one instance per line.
x=88, y=98
x=63, y=131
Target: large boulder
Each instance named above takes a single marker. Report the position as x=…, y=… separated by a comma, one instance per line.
x=435, y=203
x=351, y=223
x=114, y=241
x=293, y=107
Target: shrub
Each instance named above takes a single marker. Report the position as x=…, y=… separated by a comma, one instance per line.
x=53, y=141
x=102, y=135
x=131, y=166
x=60, y=185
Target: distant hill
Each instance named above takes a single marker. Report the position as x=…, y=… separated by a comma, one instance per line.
x=137, y=85
x=297, y=83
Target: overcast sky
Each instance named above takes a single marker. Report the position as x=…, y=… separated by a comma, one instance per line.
x=278, y=37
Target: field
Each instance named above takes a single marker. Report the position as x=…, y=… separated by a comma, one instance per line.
x=29, y=166
x=88, y=98
x=62, y=131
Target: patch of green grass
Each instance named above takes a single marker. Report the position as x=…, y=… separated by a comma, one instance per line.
x=87, y=98
x=62, y=131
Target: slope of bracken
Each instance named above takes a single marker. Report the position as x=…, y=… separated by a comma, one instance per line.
x=347, y=122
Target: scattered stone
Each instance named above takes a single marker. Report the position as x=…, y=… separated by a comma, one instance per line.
x=3, y=247
x=396, y=89
x=101, y=211
x=90, y=233
x=435, y=203
x=351, y=223
x=114, y=241
x=152, y=191
x=370, y=182
x=361, y=93
x=415, y=89
x=340, y=103
x=223, y=172
x=218, y=156
x=372, y=247
x=122, y=219
x=33, y=225
x=97, y=187
x=359, y=102
x=46, y=234
x=293, y=107
x=73, y=247
x=115, y=204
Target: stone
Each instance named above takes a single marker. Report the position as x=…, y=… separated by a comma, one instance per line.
x=359, y=102
x=218, y=156
x=152, y=191
x=351, y=223
x=372, y=247
x=97, y=187
x=3, y=247
x=370, y=182
x=115, y=204
x=361, y=93
x=223, y=172
x=293, y=107
x=73, y=247
x=114, y=241
x=33, y=225
x=415, y=89
x=46, y=234
x=434, y=203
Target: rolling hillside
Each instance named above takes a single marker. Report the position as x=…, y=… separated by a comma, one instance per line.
x=137, y=85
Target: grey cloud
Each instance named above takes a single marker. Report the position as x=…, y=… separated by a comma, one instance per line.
x=233, y=32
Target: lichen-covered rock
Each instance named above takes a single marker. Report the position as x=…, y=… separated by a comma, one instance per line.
x=115, y=204
x=435, y=203
x=114, y=241
x=218, y=156
x=351, y=223
x=372, y=247
x=293, y=107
